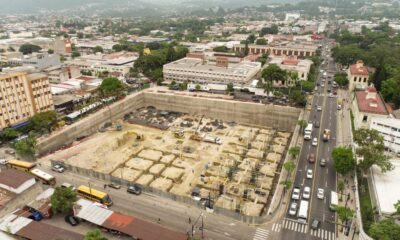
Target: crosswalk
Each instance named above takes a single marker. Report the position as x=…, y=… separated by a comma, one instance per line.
x=293, y=225
x=261, y=234
x=323, y=234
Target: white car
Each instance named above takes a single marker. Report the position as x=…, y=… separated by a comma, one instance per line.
x=309, y=173
x=306, y=193
x=58, y=168
x=293, y=209
x=296, y=193
x=320, y=193
x=307, y=137
x=319, y=108
x=314, y=142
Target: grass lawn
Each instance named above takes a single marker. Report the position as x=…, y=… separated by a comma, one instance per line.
x=367, y=211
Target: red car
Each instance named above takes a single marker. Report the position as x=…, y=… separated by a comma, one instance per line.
x=311, y=158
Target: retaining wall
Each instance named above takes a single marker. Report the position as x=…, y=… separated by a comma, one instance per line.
x=247, y=113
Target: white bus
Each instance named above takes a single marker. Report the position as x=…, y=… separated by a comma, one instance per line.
x=44, y=177
x=308, y=131
x=333, y=201
x=303, y=212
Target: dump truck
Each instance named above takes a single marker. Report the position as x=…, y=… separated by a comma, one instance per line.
x=327, y=135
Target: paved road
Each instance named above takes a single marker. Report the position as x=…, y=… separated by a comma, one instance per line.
x=173, y=215
x=323, y=177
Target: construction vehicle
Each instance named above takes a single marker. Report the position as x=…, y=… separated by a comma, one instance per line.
x=212, y=139
x=179, y=133
x=196, y=135
x=326, y=135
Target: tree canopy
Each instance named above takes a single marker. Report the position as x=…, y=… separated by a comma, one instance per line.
x=98, y=49
x=43, y=122
x=269, y=30
x=344, y=213
x=29, y=48
x=63, y=200
x=289, y=166
x=273, y=73
x=386, y=229
x=294, y=151
x=221, y=49
x=341, y=79
x=371, y=149
x=261, y=41
x=94, y=235
x=111, y=87
x=26, y=147
x=343, y=160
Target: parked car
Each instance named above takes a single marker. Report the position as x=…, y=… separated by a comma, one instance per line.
x=306, y=192
x=134, y=189
x=296, y=193
x=315, y=224
x=293, y=209
x=322, y=162
x=58, y=168
x=311, y=158
x=68, y=185
x=114, y=185
x=309, y=173
x=314, y=142
x=316, y=124
x=319, y=108
x=320, y=193
x=73, y=221
x=3, y=161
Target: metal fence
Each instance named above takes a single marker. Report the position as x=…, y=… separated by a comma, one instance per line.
x=181, y=199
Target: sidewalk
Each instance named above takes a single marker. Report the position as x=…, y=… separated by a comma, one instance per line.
x=343, y=138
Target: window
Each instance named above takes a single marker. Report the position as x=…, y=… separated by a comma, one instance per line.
x=365, y=118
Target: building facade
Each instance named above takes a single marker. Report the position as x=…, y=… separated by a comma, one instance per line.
x=292, y=64
x=200, y=71
x=22, y=96
x=284, y=49
x=389, y=128
x=358, y=76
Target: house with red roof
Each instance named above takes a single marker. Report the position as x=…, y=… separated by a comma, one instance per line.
x=367, y=104
x=358, y=76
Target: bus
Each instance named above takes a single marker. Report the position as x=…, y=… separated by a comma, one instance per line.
x=333, y=201
x=21, y=165
x=94, y=195
x=308, y=131
x=43, y=177
x=303, y=212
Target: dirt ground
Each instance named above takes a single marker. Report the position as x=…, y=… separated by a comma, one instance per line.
x=174, y=162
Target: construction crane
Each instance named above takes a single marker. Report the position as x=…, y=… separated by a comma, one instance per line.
x=196, y=135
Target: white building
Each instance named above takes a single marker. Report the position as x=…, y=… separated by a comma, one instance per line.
x=389, y=128
x=301, y=66
x=200, y=71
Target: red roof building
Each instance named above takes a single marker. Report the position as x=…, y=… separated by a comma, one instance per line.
x=358, y=76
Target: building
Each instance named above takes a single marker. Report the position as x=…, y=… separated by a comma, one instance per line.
x=385, y=187
x=22, y=96
x=37, y=60
x=62, y=45
x=115, y=63
x=62, y=73
x=389, y=128
x=129, y=225
x=358, y=76
x=284, y=48
x=301, y=66
x=366, y=105
x=202, y=71
x=6, y=56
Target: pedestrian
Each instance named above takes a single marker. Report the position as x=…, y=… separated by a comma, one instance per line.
x=159, y=220
x=105, y=185
x=190, y=220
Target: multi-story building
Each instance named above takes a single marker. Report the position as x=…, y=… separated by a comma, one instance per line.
x=366, y=105
x=37, y=60
x=358, y=76
x=300, y=50
x=22, y=96
x=389, y=128
x=301, y=66
x=201, y=71
x=62, y=45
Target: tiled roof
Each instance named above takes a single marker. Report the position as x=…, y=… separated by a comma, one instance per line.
x=359, y=69
x=13, y=178
x=370, y=105
x=40, y=231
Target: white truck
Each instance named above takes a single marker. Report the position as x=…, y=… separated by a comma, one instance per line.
x=308, y=131
x=303, y=212
x=212, y=139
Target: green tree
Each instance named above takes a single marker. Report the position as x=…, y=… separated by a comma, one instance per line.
x=386, y=229
x=298, y=98
x=94, y=235
x=50, y=51
x=371, y=149
x=98, y=49
x=26, y=147
x=269, y=30
x=307, y=86
x=251, y=38
x=273, y=73
x=344, y=213
x=287, y=184
x=75, y=54
x=341, y=79
x=294, y=151
x=29, y=48
x=340, y=187
x=261, y=41
x=303, y=124
x=343, y=160
x=9, y=134
x=397, y=207
x=221, y=49
x=43, y=122
x=229, y=88
x=111, y=87
x=289, y=166
x=183, y=86
x=198, y=87
x=263, y=59
x=63, y=199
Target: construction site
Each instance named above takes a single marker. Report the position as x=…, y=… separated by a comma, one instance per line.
x=234, y=165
